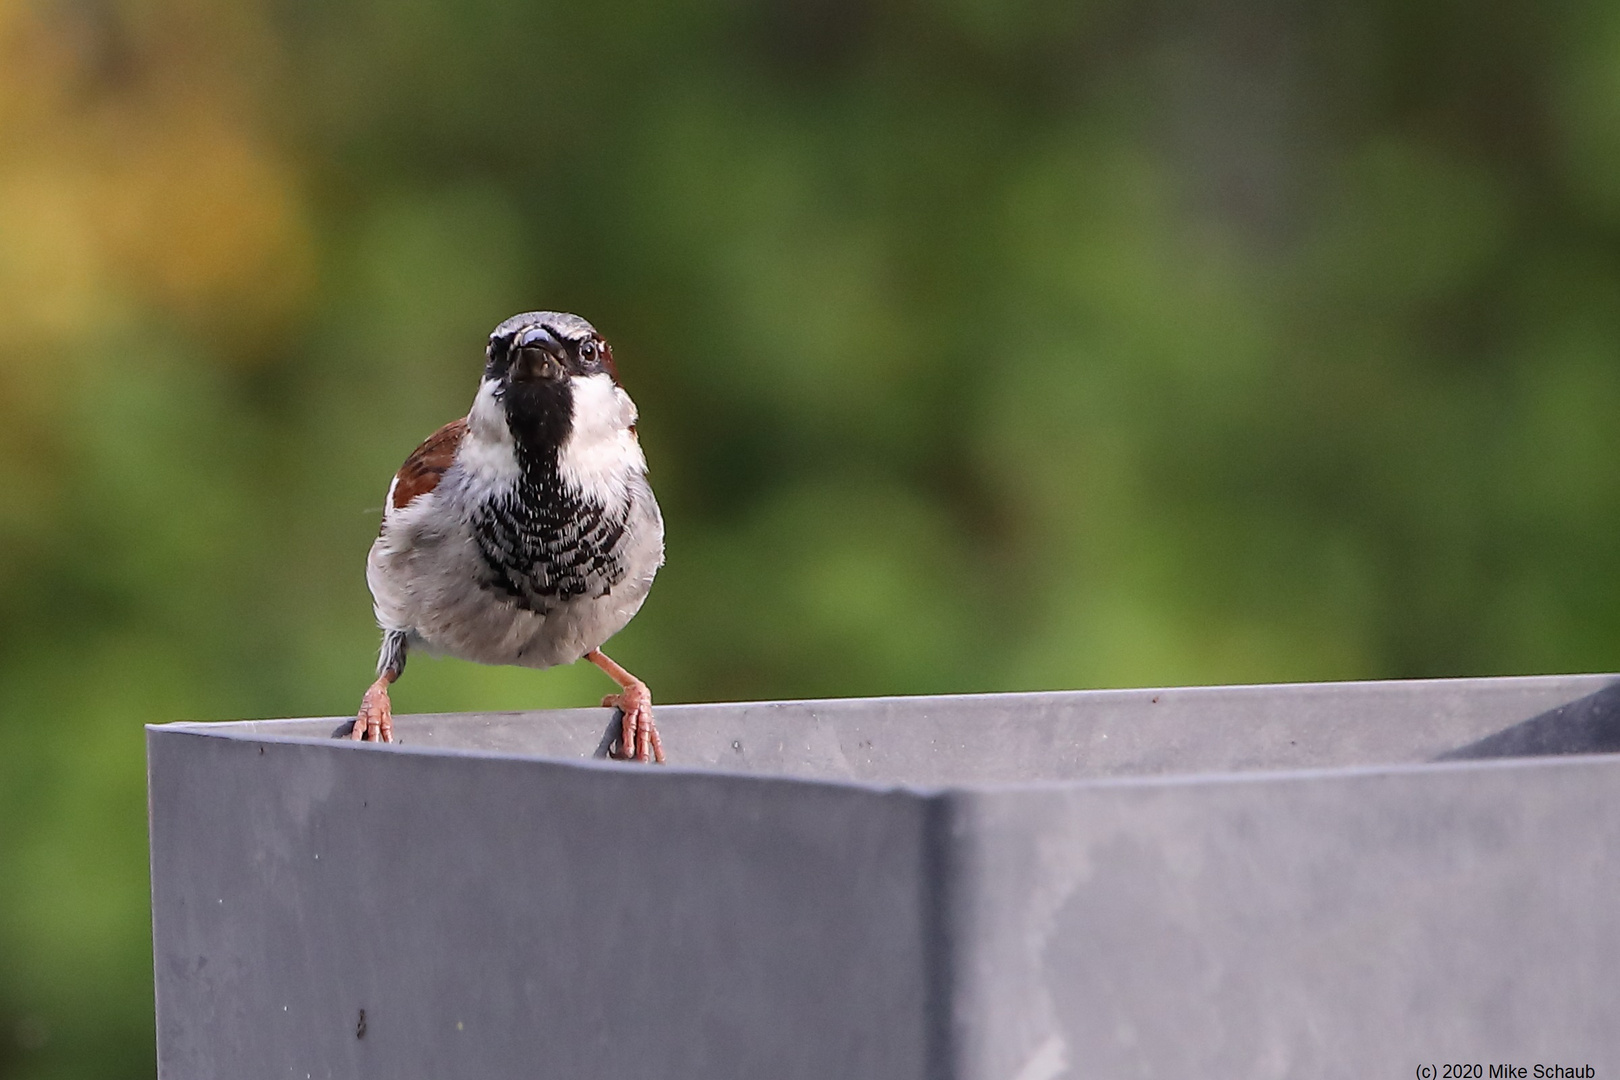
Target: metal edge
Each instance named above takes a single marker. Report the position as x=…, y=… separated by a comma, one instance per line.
x=1597, y=679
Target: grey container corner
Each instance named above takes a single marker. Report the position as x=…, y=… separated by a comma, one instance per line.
x=1332, y=880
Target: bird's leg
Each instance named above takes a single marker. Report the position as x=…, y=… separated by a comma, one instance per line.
x=375, y=720
x=638, y=739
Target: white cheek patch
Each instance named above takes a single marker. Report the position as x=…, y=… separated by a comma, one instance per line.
x=488, y=455
x=486, y=419
x=601, y=453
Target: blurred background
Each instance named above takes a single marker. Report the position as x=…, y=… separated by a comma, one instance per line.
x=980, y=345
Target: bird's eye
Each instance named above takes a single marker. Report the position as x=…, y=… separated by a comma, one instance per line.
x=587, y=351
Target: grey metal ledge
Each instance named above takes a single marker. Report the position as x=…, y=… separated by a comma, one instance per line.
x=1313, y=880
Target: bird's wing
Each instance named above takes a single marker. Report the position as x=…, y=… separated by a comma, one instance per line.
x=421, y=472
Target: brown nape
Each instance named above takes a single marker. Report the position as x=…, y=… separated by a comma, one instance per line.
x=421, y=471
x=607, y=359
x=612, y=370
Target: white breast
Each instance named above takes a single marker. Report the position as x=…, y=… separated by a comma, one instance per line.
x=601, y=454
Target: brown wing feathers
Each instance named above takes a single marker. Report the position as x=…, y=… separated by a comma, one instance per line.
x=421, y=471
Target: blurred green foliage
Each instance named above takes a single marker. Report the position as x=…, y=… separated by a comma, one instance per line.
x=979, y=346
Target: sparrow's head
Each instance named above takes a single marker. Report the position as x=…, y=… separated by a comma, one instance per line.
x=541, y=347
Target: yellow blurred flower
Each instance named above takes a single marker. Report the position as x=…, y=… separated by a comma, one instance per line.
x=136, y=177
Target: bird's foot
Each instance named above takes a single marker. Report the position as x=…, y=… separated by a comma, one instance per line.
x=376, y=718
x=638, y=739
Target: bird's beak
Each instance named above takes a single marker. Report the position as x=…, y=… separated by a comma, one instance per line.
x=541, y=337
x=542, y=340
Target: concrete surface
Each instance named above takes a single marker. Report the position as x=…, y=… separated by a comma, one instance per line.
x=1335, y=880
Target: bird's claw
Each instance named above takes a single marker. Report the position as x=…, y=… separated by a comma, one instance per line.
x=638, y=738
x=375, y=720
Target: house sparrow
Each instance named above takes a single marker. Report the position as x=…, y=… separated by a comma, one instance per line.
x=525, y=533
